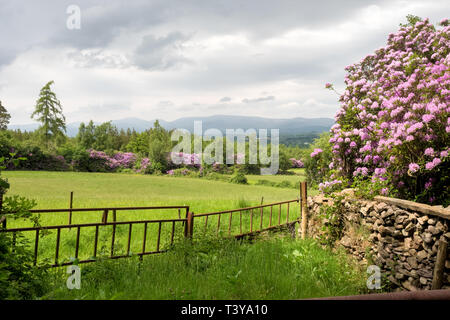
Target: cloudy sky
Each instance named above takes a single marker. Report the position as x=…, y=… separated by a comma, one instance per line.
x=175, y=58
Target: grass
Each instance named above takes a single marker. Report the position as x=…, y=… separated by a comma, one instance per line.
x=208, y=268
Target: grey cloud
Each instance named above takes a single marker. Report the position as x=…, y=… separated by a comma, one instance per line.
x=160, y=53
x=225, y=99
x=97, y=58
x=44, y=22
x=261, y=99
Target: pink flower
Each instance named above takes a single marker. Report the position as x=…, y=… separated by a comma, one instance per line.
x=428, y=117
x=413, y=167
x=429, y=152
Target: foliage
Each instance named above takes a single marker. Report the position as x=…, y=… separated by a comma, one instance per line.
x=4, y=117
x=48, y=112
x=239, y=177
x=394, y=121
x=19, y=279
x=317, y=162
x=332, y=220
x=159, y=145
x=212, y=268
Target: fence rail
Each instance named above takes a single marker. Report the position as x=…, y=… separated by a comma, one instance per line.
x=252, y=217
x=239, y=223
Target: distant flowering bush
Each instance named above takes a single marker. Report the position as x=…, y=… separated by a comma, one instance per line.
x=393, y=124
x=178, y=172
x=187, y=159
x=296, y=163
x=100, y=161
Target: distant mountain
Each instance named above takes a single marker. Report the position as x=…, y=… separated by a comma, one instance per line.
x=292, y=126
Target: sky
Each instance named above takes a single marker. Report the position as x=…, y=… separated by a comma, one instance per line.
x=182, y=58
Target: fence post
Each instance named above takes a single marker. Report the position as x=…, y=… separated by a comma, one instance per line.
x=439, y=266
x=304, y=208
x=189, y=230
x=105, y=216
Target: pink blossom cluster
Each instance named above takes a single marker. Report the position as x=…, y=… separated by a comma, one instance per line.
x=144, y=165
x=188, y=159
x=297, y=163
x=316, y=152
x=122, y=160
x=328, y=186
x=394, y=117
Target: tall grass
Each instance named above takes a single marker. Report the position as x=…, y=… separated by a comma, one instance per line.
x=211, y=268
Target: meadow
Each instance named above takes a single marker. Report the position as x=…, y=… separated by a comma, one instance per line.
x=51, y=190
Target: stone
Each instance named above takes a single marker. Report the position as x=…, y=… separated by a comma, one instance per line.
x=386, y=214
x=425, y=273
x=346, y=241
x=423, y=281
x=431, y=221
x=400, y=219
x=426, y=237
x=409, y=227
x=407, y=285
x=386, y=230
x=440, y=226
x=400, y=276
x=380, y=206
x=412, y=261
x=421, y=255
x=433, y=230
x=407, y=243
x=373, y=213
x=422, y=220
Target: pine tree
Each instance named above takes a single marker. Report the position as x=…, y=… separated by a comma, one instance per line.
x=48, y=112
x=4, y=117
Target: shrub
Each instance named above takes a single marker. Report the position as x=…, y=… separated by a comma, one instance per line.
x=394, y=122
x=19, y=279
x=317, y=166
x=284, y=184
x=239, y=177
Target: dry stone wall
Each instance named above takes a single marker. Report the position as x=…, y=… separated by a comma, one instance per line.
x=399, y=236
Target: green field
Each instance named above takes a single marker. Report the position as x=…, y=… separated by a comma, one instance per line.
x=51, y=190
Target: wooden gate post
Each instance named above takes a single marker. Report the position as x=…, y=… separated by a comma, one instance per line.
x=304, y=208
x=189, y=230
x=439, y=266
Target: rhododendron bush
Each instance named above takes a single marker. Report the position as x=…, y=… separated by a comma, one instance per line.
x=393, y=126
